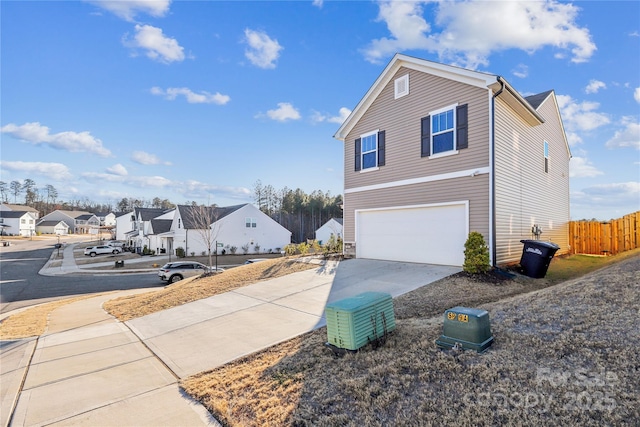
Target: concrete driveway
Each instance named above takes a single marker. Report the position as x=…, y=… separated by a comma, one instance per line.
x=208, y=333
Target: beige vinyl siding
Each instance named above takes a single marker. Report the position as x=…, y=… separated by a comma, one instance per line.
x=473, y=189
x=525, y=194
x=400, y=119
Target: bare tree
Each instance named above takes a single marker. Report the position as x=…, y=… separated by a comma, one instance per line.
x=204, y=220
x=4, y=192
x=16, y=189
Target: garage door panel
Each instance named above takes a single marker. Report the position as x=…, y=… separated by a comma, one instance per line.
x=433, y=235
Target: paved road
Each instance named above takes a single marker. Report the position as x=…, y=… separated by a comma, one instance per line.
x=22, y=286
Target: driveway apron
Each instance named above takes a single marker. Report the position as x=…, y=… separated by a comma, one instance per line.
x=208, y=333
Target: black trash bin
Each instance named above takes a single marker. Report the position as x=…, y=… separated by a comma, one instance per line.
x=119, y=263
x=536, y=256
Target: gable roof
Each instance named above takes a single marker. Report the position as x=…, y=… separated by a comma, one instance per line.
x=85, y=216
x=147, y=214
x=52, y=223
x=477, y=79
x=536, y=100
x=20, y=208
x=72, y=214
x=161, y=225
x=190, y=218
x=14, y=214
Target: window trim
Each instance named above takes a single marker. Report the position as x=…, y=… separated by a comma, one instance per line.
x=545, y=152
x=454, y=150
x=396, y=83
x=250, y=222
x=362, y=152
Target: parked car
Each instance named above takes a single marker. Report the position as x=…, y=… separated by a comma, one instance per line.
x=175, y=271
x=115, y=244
x=100, y=250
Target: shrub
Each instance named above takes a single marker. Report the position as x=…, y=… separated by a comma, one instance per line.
x=245, y=248
x=256, y=248
x=180, y=252
x=476, y=254
x=233, y=249
x=333, y=245
x=303, y=248
x=290, y=249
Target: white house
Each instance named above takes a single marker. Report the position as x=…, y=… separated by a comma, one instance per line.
x=124, y=222
x=16, y=223
x=329, y=228
x=80, y=222
x=52, y=227
x=240, y=226
x=6, y=207
x=141, y=233
x=107, y=219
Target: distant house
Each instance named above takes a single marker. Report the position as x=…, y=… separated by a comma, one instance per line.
x=17, y=223
x=19, y=208
x=140, y=230
x=79, y=222
x=124, y=224
x=333, y=227
x=107, y=219
x=52, y=227
x=234, y=226
x=433, y=152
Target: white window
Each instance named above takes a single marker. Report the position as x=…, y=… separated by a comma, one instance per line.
x=546, y=157
x=401, y=86
x=369, y=152
x=443, y=130
x=250, y=222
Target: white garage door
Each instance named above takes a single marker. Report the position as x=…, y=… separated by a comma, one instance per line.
x=424, y=234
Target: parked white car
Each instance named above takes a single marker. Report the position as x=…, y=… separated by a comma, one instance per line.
x=115, y=244
x=175, y=271
x=100, y=250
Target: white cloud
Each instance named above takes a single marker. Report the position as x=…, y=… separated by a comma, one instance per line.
x=343, y=113
x=262, y=50
x=55, y=171
x=580, y=167
x=158, y=46
x=145, y=158
x=594, y=86
x=613, y=194
x=521, y=71
x=471, y=31
x=318, y=3
x=636, y=95
x=628, y=137
x=283, y=113
x=118, y=169
x=128, y=9
x=203, y=97
x=580, y=116
x=74, y=142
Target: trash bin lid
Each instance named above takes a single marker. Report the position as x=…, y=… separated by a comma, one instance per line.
x=549, y=245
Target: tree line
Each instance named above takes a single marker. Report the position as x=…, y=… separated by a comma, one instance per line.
x=45, y=199
x=295, y=210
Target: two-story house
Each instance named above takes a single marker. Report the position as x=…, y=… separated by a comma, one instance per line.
x=17, y=223
x=433, y=152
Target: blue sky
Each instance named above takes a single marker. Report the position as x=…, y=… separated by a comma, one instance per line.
x=194, y=100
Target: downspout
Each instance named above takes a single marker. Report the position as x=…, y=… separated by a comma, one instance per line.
x=492, y=181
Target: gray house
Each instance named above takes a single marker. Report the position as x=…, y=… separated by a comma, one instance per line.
x=433, y=152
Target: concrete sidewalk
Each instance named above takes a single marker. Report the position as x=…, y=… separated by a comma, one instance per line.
x=89, y=369
x=210, y=332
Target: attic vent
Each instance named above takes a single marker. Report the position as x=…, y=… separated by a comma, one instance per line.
x=402, y=86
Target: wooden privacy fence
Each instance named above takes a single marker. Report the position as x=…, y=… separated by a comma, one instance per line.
x=605, y=238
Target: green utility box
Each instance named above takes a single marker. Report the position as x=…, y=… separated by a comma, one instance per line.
x=354, y=322
x=466, y=327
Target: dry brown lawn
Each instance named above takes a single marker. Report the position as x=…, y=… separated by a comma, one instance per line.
x=33, y=321
x=563, y=355
x=127, y=308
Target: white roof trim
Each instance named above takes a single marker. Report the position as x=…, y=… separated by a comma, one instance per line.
x=473, y=78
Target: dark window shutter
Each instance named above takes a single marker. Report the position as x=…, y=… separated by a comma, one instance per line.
x=426, y=136
x=358, y=153
x=381, y=148
x=462, y=138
